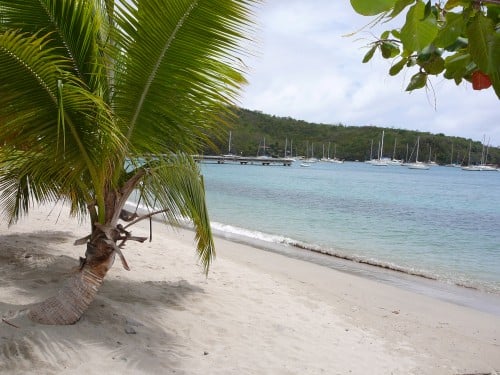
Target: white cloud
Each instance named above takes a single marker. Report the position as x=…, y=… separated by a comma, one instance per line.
x=305, y=68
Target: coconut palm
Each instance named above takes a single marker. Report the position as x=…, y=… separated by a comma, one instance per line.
x=103, y=98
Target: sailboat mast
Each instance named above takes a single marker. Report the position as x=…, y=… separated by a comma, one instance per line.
x=470, y=145
x=418, y=146
x=382, y=146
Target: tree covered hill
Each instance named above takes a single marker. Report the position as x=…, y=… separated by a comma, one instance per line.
x=250, y=128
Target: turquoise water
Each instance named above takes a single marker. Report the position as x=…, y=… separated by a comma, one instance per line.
x=442, y=223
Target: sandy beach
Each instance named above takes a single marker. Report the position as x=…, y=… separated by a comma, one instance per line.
x=257, y=312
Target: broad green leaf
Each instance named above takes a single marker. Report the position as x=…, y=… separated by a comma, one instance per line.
x=430, y=60
x=372, y=7
x=385, y=34
x=417, y=33
x=396, y=33
x=427, y=10
x=396, y=68
x=451, y=31
x=389, y=50
x=417, y=81
x=478, y=32
x=456, y=65
x=493, y=13
x=399, y=6
x=369, y=54
x=494, y=58
x=434, y=65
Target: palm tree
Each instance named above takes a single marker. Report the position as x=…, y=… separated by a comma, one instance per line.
x=101, y=98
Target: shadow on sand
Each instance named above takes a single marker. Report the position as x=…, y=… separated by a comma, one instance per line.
x=115, y=325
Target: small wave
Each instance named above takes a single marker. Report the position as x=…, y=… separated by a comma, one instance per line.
x=266, y=241
x=362, y=260
x=258, y=238
x=233, y=231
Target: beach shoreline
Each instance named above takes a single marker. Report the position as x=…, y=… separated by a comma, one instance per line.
x=472, y=297
x=257, y=312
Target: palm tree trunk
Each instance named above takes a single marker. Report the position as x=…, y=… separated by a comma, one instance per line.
x=71, y=301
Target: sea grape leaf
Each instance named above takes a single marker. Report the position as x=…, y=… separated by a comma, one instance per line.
x=494, y=58
x=434, y=65
x=400, y=6
x=385, y=34
x=372, y=7
x=396, y=68
x=417, y=81
x=427, y=10
x=478, y=31
x=430, y=60
x=369, y=54
x=451, y=31
x=493, y=13
x=456, y=65
x=389, y=50
x=417, y=33
x=396, y=33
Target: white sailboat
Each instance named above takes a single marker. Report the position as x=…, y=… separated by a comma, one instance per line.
x=394, y=161
x=418, y=164
x=370, y=161
x=482, y=167
x=454, y=165
x=380, y=161
x=335, y=160
x=229, y=155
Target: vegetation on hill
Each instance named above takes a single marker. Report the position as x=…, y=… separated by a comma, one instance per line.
x=250, y=128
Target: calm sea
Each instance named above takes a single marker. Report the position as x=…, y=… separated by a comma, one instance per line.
x=442, y=223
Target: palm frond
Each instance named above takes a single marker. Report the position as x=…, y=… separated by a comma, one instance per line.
x=174, y=183
x=180, y=71
x=77, y=28
x=50, y=111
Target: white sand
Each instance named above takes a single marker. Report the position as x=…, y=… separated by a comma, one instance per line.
x=256, y=313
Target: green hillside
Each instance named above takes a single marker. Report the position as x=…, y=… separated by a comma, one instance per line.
x=250, y=128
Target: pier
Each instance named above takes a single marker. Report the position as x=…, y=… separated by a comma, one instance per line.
x=243, y=160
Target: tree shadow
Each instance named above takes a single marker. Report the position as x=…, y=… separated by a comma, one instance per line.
x=131, y=324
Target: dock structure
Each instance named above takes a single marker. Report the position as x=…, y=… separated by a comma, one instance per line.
x=243, y=160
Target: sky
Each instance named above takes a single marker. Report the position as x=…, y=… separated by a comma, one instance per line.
x=303, y=66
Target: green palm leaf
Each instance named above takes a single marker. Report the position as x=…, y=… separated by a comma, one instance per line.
x=173, y=183
x=87, y=85
x=177, y=71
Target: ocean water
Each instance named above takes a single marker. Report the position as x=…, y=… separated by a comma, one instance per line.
x=441, y=224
